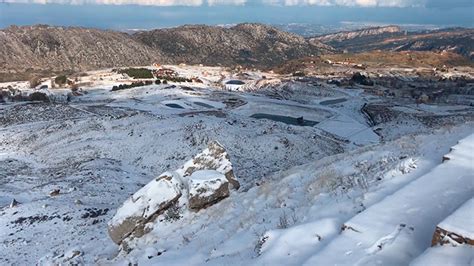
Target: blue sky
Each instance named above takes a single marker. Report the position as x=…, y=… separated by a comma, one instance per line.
x=146, y=14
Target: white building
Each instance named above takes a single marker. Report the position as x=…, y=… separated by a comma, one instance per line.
x=233, y=84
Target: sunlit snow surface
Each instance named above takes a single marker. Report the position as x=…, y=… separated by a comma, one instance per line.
x=300, y=184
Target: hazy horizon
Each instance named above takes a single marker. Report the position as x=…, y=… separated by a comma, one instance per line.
x=127, y=17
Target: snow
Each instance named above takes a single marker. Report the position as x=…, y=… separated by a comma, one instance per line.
x=446, y=256
x=203, y=175
x=299, y=185
x=297, y=242
x=346, y=128
x=399, y=227
x=461, y=221
x=205, y=180
x=240, y=221
x=149, y=199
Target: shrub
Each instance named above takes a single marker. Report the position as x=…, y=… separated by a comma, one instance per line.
x=285, y=222
x=133, y=85
x=137, y=73
x=34, y=82
x=173, y=213
x=60, y=80
x=298, y=74
x=39, y=96
x=157, y=82
x=174, y=79
x=259, y=244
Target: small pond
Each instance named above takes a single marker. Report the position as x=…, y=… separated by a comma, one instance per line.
x=204, y=104
x=334, y=101
x=286, y=119
x=174, y=105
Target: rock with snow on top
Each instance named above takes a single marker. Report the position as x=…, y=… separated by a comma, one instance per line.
x=207, y=187
x=215, y=157
x=144, y=206
x=13, y=203
x=457, y=228
x=54, y=192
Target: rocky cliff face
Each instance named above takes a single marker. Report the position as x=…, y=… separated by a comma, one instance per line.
x=349, y=35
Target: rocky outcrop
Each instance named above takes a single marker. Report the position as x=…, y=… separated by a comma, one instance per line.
x=443, y=237
x=362, y=79
x=145, y=205
x=206, y=187
x=348, y=35
x=378, y=113
x=457, y=228
x=201, y=182
x=214, y=157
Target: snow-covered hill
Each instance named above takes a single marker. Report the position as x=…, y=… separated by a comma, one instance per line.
x=338, y=191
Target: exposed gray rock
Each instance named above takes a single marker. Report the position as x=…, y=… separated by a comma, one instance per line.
x=207, y=187
x=214, y=157
x=144, y=206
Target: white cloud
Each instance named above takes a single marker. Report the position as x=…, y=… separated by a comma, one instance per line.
x=226, y=2
x=115, y=2
x=359, y=3
x=355, y=3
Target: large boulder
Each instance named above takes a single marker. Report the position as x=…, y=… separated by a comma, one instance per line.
x=201, y=182
x=145, y=205
x=206, y=187
x=361, y=79
x=215, y=158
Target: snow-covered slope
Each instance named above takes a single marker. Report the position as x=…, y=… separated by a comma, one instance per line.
x=70, y=166
x=400, y=227
x=296, y=216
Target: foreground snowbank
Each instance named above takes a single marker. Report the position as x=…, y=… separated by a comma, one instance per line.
x=296, y=216
x=400, y=227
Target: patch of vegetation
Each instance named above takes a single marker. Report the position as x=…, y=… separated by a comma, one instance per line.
x=174, y=79
x=133, y=85
x=285, y=222
x=39, y=96
x=137, y=73
x=173, y=213
x=259, y=244
x=60, y=80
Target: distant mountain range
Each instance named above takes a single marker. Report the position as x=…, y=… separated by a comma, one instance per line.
x=392, y=38
x=44, y=50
